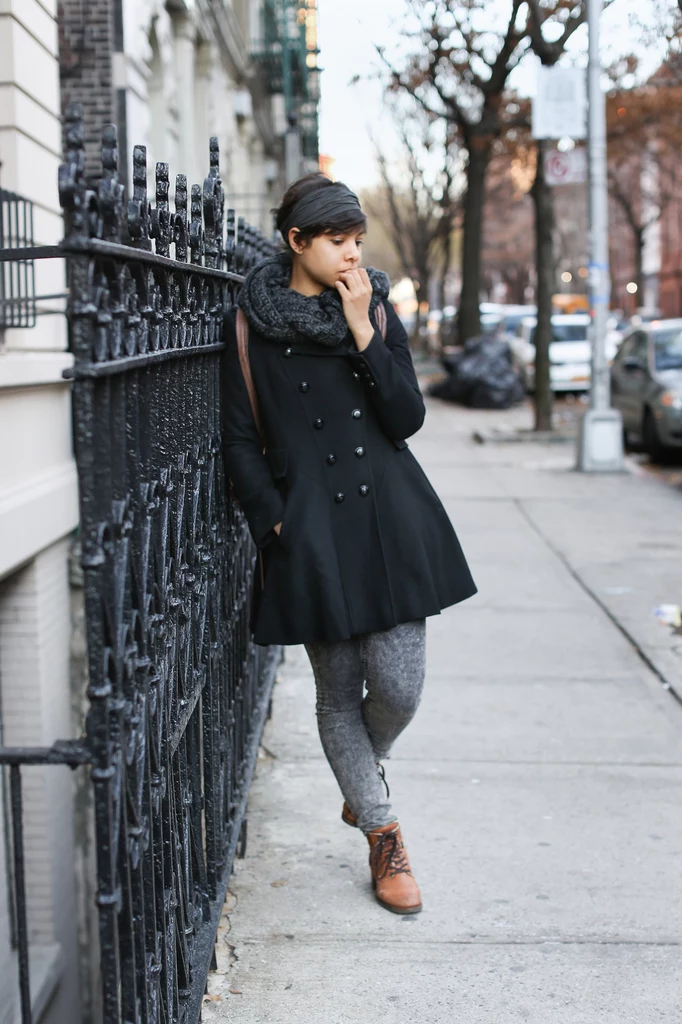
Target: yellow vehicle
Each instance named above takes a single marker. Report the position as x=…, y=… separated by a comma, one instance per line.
x=570, y=303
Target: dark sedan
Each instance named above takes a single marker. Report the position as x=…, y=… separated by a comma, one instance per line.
x=646, y=386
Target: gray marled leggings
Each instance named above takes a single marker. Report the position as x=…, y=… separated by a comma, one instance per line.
x=358, y=731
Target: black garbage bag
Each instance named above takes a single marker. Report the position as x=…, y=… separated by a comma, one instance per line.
x=482, y=376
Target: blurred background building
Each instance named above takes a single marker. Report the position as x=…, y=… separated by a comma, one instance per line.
x=38, y=509
x=169, y=75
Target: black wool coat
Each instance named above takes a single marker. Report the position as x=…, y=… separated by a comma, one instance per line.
x=365, y=542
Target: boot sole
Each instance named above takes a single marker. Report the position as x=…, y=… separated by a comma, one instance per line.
x=398, y=910
x=392, y=907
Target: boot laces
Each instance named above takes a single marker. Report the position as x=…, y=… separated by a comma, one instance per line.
x=389, y=856
x=382, y=776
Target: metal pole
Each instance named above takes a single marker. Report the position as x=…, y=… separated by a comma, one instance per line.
x=20, y=894
x=601, y=435
x=599, y=278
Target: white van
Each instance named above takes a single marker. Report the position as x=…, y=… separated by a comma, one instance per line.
x=570, y=352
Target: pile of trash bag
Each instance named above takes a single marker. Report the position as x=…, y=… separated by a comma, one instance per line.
x=481, y=376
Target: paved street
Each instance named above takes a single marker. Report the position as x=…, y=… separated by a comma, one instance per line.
x=538, y=788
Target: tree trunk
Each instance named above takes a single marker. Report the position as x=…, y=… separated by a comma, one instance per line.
x=468, y=317
x=639, y=266
x=447, y=259
x=419, y=343
x=544, y=264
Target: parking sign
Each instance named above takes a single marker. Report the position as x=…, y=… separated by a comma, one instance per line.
x=568, y=168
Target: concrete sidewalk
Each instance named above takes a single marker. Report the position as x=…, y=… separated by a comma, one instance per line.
x=538, y=788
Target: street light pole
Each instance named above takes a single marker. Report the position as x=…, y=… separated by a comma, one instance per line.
x=600, y=445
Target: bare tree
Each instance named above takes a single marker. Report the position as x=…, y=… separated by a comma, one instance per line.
x=644, y=127
x=419, y=200
x=459, y=69
x=549, y=53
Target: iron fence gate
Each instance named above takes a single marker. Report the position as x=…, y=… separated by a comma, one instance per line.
x=178, y=693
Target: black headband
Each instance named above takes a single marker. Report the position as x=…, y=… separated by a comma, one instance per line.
x=320, y=206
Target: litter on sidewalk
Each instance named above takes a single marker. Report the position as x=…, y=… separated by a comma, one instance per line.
x=669, y=615
x=481, y=376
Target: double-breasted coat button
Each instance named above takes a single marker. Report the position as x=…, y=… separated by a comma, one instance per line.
x=356, y=375
x=304, y=386
x=359, y=451
x=364, y=490
x=356, y=414
x=318, y=423
x=288, y=352
x=331, y=459
x=338, y=498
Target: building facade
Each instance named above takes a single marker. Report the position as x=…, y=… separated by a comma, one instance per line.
x=38, y=515
x=645, y=225
x=169, y=75
x=172, y=73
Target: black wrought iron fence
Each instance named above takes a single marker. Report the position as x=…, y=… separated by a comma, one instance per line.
x=178, y=693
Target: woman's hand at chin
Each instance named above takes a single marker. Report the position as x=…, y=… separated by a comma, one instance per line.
x=355, y=290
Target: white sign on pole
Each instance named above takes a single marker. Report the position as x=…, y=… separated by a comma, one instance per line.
x=559, y=107
x=566, y=168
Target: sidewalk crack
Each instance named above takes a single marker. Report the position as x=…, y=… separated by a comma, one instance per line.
x=643, y=656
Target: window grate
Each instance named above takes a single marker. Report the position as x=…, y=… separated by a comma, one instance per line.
x=17, y=276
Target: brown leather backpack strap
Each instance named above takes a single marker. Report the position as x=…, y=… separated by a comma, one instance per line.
x=382, y=321
x=245, y=363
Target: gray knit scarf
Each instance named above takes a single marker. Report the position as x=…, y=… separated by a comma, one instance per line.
x=281, y=314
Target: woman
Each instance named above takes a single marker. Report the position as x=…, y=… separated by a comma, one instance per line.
x=356, y=548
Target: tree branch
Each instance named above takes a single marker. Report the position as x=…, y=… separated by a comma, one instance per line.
x=499, y=70
x=549, y=53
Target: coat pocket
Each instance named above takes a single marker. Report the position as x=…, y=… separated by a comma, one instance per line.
x=278, y=462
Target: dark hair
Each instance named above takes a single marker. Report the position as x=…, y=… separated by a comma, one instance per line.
x=342, y=222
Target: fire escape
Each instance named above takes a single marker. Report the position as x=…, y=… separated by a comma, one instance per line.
x=287, y=57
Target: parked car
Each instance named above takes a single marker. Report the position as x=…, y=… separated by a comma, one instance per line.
x=502, y=319
x=646, y=386
x=512, y=318
x=570, y=352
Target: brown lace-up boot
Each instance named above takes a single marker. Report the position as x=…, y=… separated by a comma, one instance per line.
x=392, y=878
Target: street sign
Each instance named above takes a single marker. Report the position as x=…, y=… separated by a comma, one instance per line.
x=559, y=106
x=568, y=168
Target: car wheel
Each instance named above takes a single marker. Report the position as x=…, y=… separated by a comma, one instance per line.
x=653, y=445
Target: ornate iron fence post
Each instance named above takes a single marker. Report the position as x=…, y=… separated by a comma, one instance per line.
x=178, y=693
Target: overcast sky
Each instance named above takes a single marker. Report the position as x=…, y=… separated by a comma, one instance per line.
x=348, y=30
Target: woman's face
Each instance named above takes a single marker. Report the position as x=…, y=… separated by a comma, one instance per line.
x=325, y=258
